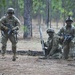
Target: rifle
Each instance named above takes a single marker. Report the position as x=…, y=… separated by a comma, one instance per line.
x=42, y=41
x=67, y=38
x=9, y=31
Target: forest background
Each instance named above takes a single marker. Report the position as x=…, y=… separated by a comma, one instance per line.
x=45, y=12
x=32, y=14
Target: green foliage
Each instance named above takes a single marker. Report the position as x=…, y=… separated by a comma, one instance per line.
x=21, y=6
x=25, y=28
x=70, y=13
x=56, y=4
x=39, y=6
x=3, y=3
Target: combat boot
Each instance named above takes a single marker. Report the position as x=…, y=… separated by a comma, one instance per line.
x=3, y=51
x=14, y=53
x=3, y=55
x=14, y=58
x=70, y=59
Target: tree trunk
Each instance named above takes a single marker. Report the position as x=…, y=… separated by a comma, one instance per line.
x=16, y=8
x=57, y=18
x=27, y=19
x=0, y=8
x=50, y=12
x=47, y=9
x=63, y=6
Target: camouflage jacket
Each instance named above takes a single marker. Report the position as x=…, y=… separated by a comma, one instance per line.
x=53, y=43
x=14, y=21
x=68, y=31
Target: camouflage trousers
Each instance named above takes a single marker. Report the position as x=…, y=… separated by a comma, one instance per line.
x=68, y=50
x=55, y=54
x=4, y=40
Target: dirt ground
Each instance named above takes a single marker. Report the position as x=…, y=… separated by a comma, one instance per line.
x=33, y=65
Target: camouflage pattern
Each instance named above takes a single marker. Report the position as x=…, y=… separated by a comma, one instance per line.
x=69, y=18
x=72, y=49
x=14, y=22
x=10, y=11
x=50, y=31
x=68, y=29
x=53, y=48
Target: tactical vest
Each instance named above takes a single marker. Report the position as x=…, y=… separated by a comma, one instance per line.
x=69, y=31
x=10, y=21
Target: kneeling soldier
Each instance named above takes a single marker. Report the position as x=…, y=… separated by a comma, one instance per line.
x=52, y=45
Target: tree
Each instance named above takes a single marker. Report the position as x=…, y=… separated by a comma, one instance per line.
x=16, y=7
x=27, y=19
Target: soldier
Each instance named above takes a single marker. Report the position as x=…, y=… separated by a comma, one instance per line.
x=52, y=48
x=9, y=24
x=67, y=33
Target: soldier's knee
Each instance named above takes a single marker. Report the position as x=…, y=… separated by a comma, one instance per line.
x=3, y=47
x=14, y=47
x=13, y=44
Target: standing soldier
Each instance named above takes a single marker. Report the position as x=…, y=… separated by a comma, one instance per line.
x=52, y=48
x=67, y=34
x=9, y=25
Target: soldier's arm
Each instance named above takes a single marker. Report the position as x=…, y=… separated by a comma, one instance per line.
x=61, y=31
x=2, y=22
x=74, y=32
x=54, y=45
x=47, y=43
x=73, y=40
x=61, y=34
x=17, y=23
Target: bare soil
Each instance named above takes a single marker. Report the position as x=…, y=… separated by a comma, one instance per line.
x=33, y=65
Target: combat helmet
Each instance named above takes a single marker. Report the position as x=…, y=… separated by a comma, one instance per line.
x=69, y=19
x=10, y=11
x=50, y=30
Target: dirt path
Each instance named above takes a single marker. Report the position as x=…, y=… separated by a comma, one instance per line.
x=29, y=65
x=32, y=65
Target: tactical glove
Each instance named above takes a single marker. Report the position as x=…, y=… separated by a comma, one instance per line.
x=15, y=28
x=6, y=28
x=61, y=38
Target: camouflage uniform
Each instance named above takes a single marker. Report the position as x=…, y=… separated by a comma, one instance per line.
x=14, y=22
x=52, y=45
x=68, y=30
